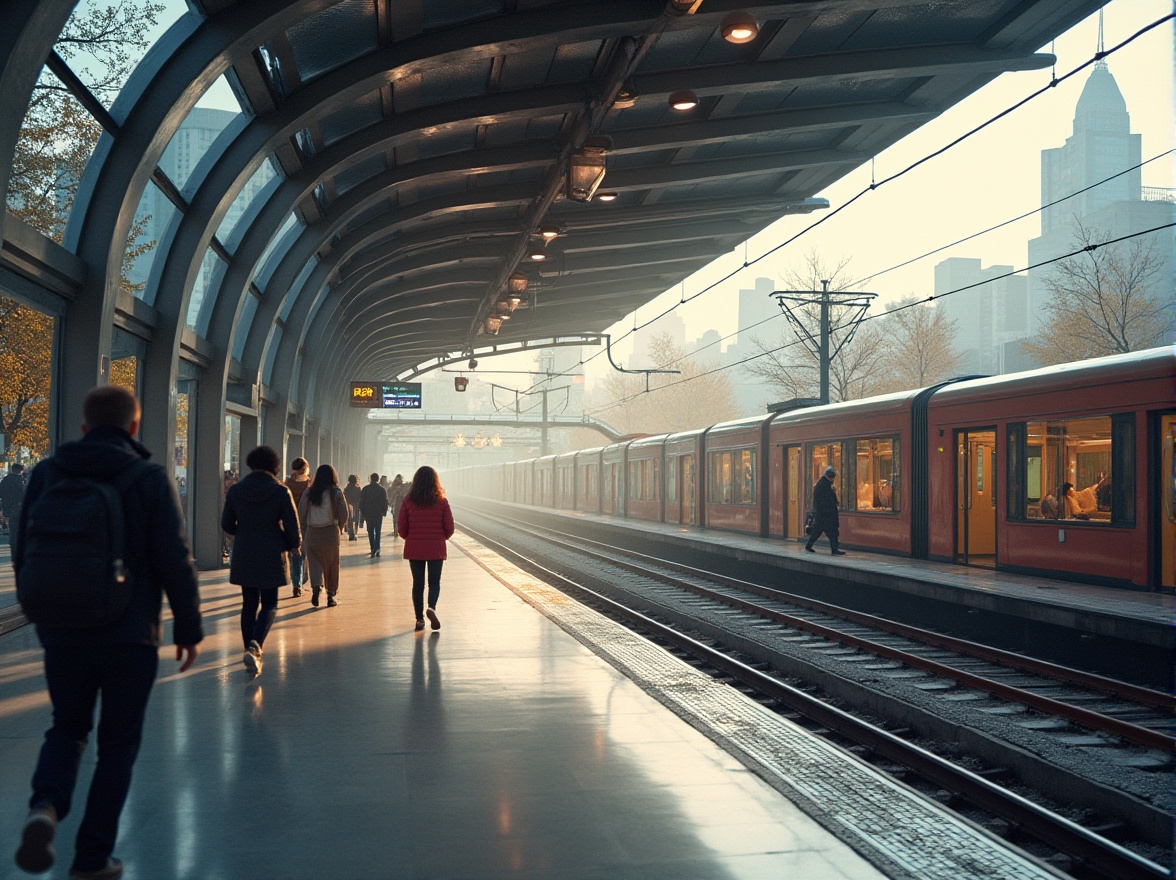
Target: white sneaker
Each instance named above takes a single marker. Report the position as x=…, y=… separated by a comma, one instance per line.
x=252, y=658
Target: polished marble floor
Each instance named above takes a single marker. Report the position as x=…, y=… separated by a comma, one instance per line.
x=498, y=747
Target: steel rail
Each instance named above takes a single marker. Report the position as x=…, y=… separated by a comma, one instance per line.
x=1108, y=858
x=1087, y=718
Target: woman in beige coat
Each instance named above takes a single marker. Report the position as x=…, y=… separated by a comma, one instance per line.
x=324, y=514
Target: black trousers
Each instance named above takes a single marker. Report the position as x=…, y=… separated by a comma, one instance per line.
x=819, y=528
x=417, y=567
x=373, y=527
x=255, y=623
x=123, y=674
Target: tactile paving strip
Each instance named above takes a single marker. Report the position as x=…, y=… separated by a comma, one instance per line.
x=898, y=830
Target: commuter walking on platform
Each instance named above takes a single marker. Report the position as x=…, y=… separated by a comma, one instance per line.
x=826, y=518
x=259, y=513
x=352, y=493
x=12, y=492
x=373, y=502
x=88, y=654
x=426, y=523
x=323, y=513
x=397, y=489
x=298, y=483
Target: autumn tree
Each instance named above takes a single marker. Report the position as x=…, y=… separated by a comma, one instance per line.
x=694, y=398
x=793, y=369
x=26, y=345
x=102, y=42
x=1103, y=301
x=919, y=347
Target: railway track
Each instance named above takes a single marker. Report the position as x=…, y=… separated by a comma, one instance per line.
x=1125, y=718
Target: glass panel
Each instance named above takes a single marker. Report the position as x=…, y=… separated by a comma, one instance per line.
x=270, y=354
x=244, y=326
x=1117, y=492
x=672, y=478
x=183, y=451
x=264, y=270
x=877, y=474
x=232, y=456
x=821, y=456
x=191, y=141
x=152, y=218
x=746, y=466
x=126, y=358
x=296, y=289
x=102, y=45
x=1016, y=477
x=227, y=232
x=211, y=270
x=56, y=141
x=1068, y=467
x=333, y=37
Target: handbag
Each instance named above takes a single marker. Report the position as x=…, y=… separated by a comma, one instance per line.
x=809, y=521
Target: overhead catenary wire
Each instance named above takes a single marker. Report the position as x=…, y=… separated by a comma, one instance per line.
x=916, y=302
x=874, y=185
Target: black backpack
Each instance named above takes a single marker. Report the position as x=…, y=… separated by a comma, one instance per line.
x=70, y=556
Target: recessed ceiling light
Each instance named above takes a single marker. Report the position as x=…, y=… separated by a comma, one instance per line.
x=739, y=27
x=607, y=196
x=684, y=100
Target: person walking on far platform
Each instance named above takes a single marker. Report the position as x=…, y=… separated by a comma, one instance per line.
x=259, y=513
x=323, y=513
x=826, y=518
x=298, y=482
x=12, y=491
x=373, y=502
x=91, y=660
x=426, y=523
x=397, y=489
x=352, y=492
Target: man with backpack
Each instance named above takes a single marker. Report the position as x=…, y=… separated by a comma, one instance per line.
x=12, y=491
x=102, y=539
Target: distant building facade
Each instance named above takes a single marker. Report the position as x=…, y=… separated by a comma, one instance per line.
x=990, y=311
x=759, y=318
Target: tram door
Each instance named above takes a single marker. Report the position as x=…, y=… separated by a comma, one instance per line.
x=687, y=491
x=1168, y=503
x=794, y=492
x=976, y=497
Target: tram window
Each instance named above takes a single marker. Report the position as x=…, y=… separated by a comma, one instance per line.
x=672, y=478
x=732, y=476
x=1078, y=452
x=821, y=456
x=877, y=474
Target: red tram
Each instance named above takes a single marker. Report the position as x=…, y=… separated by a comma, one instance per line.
x=1065, y=471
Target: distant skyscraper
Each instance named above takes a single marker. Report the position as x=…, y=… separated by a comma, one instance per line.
x=759, y=318
x=1100, y=146
x=989, y=314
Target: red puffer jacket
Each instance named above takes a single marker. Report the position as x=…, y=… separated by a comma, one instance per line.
x=425, y=529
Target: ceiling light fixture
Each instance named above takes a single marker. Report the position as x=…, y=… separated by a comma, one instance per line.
x=586, y=169
x=607, y=196
x=549, y=232
x=625, y=98
x=493, y=324
x=684, y=100
x=537, y=254
x=516, y=283
x=739, y=27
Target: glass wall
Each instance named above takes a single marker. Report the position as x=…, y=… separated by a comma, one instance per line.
x=26, y=379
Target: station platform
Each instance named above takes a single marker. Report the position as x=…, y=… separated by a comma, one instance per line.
x=529, y=737
x=1135, y=616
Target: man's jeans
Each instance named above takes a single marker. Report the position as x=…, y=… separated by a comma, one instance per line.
x=296, y=564
x=373, y=527
x=123, y=674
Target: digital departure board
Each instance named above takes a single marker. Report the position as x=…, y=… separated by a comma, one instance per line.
x=385, y=395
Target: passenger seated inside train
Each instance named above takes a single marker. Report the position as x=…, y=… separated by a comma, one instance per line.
x=1078, y=505
x=884, y=497
x=1049, y=507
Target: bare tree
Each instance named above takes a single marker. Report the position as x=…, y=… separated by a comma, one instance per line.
x=692, y=399
x=1107, y=300
x=789, y=365
x=920, y=345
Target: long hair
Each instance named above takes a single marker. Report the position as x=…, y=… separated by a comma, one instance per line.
x=426, y=487
x=324, y=478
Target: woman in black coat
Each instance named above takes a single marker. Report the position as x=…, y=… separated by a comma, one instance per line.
x=826, y=518
x=259, y=512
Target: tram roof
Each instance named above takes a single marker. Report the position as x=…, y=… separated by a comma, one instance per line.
x=422, y=147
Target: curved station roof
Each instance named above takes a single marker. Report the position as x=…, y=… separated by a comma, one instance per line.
x=420, y=151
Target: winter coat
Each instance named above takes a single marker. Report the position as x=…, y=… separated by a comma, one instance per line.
x=157, y=550
x=373, y=501
x=333, y=495
x=425, y=529
x=352, y=493
x=297, y=487
x=12, y=491
x=825, y=504
x=260, y=512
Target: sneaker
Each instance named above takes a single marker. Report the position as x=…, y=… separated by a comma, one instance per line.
x=420, y=624
x=112, y=870
x=36, y=853
x=432, y=615
x=297, y=592
x=314, y=596
x=252, y=658
x=838, y=552
x=332, y=601
x=809, y=548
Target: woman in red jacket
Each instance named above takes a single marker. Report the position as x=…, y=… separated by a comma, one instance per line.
x=425, y=523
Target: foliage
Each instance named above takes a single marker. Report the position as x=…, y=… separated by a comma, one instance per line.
x=123, y=371
x=58, y=135
x=1105, y=301
x=26, y=347
x=694, y=398
x=920, y=345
